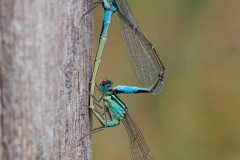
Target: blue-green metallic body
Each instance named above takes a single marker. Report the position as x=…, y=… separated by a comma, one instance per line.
x=118, y=111
x=116, y=106
x=112, y=102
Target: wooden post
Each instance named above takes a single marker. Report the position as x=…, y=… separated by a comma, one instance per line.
x=45, y=67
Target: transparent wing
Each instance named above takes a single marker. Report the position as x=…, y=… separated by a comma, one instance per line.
x=138, y=146
x=142, y=54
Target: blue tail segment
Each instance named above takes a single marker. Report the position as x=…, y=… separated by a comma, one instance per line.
x=130, y=90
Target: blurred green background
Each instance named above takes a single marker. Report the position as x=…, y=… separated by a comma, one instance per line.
x=197, y=116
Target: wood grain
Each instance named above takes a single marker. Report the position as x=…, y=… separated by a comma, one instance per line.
x=45, y=67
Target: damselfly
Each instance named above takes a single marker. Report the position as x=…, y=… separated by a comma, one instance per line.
x=142, y=54
x=114, y=110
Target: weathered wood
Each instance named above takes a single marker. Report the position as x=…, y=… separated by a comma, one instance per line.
x=45, y=66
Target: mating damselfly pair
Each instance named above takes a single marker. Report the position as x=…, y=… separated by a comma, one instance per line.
x=146, y=65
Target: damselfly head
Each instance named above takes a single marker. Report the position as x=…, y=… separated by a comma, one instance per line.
x=105, y=85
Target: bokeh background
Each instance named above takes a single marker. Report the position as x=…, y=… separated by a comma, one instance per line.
x=197, y=116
